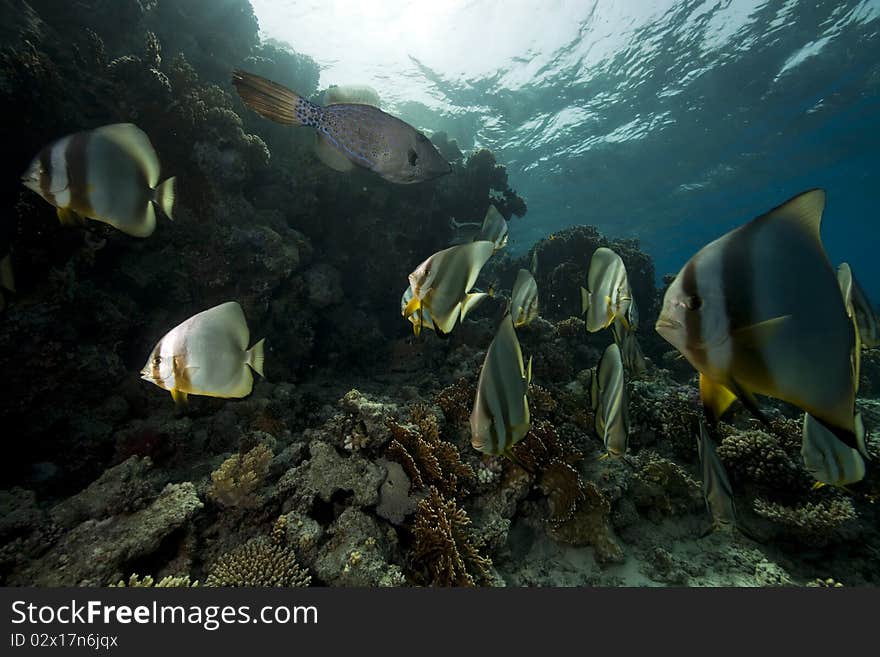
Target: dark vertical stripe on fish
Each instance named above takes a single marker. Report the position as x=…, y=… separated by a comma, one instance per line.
x=75, y=158
x=739, y=286
x=46, y=174
x=693, y=321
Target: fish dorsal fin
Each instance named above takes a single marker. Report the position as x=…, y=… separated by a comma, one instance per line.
x=804, y=212
x=136, y=143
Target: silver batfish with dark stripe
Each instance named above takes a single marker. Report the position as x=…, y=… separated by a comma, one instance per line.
x=759, y=310
x=867, y=321
x=500, y=417
x=717, y=491
x=363, y=134
x=827, y=458
x=524, y=299
x=110, y=174
x=610, y=402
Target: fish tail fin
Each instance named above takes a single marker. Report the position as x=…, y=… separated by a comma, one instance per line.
x=255, y=357
x=269, y=99
x=861, y=444
x=164, y=196
x=854, y=438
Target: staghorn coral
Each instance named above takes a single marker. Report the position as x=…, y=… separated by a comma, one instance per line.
x=813, y=523
x=258, y=562
x=590, y=524
x=457, y=400
x=235, y=482
x=426, y=458
x=444, y=552
x=169, y=581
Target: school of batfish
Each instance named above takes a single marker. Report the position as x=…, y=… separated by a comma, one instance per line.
x=758, y=311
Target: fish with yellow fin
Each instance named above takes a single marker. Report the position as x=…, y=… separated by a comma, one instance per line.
x=759, y=311
x=607, y=296
x=206, y=355
x=362, y=134
x=610, y=402
x=110, y=174
x=524, y=299
x=500, y=416
x=442, y=286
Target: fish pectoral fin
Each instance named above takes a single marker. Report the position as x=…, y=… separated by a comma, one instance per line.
x=412, y=306
x=818, y=485
x=179, y=397
x=604, y=456
x=715, y=397
x=759, y=334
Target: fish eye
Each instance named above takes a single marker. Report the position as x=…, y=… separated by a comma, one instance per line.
x=157, y=360
x=413, y=157
x=694, y=302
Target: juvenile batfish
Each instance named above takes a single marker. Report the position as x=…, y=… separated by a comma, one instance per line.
x=442, y=283
x=759, y=310
x=500, y=417
x=867, y=321
x=630, y=351
x=826, y=458
x=494, y=228
x=110, y=174
x=608, y=295
x=206, y=355
x=524, y=300
x=717, y=490
x=364, y=134
x=610, y=402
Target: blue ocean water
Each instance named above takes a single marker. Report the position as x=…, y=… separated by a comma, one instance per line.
x=669, y=120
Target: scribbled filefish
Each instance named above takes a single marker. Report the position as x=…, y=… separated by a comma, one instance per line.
x=607, y=296
x=206, y=355
x=500, y=417
x=759, y=310
x=110, y=174
x=524, y=299
x=867, y=321
x=364, y=134
x=717, y=490
x=610, y=402
x=826, y=458
x=442, y=285
x=324, y=148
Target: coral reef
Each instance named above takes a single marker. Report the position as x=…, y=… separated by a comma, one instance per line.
x=258, y=563
x=170, y=581
x=813, y=523
x=443, y=551
x=235, y=482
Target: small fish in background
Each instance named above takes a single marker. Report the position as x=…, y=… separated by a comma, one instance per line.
x=610, y=402
x=630, y=351
x=500, y=416
x=524, y=299
x=110, y=174
x=717, y=490
x=826, y=458
x=494, y=228
x=759, y=310
x=7, y=279
x=866, y=319
x=607, y=296
x=206, y=355
x=442, y=286
x=362, y=134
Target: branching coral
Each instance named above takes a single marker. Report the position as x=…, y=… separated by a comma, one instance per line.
x=444, y=552
x=235, y=482
x=259, y=562
x=169, y=581
x=756, y=456
x=814, y=523
x=426, y=458
x=457, y=400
